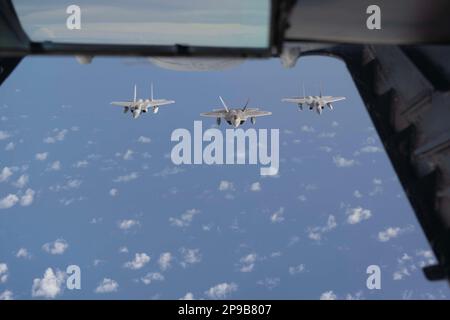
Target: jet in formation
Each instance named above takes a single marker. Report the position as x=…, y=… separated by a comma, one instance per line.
x=316, y=103
x=138, y=106
x=235, y=116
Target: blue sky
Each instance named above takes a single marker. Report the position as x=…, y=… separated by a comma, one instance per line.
x=86, y=184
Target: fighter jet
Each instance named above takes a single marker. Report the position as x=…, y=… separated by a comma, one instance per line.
x=136, y=107
x=314, y=102
x=235, y=116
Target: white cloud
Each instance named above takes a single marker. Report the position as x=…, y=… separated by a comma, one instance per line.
x=59, y=246
x=128, y=155
x=356, y=215
x=226, y=186
x=342, y=162
x=168, y=171
x=55, y=166
x=248, y=262
x=269, y=282
x=296, y=269
x=222, y=290
x=371, y=149
x=9, y=201
x=190, y=256
x=23, y=253
x=388, y=234
x=81, y=164
x=165, y=260
x=27, y=198
x=3, y=272
x=22, y=181
x=185, y=219
x=127, y=177
x=6, y=295
x=143, y=139
x=328, y=295
x=113, y=192
x=128, y=224
x=49, y=286
x=107, y=286
x=255, y=187
x=327, y=135
x=41, y=156
x=5, y=174
x=10, y=146
x=70, y=184
x=188, y=296
x=357, y=194
x=277, y=216
x=4, y=135
x=123, y=250
x=307, y=129
x=151, y=277
x=59, y=135
x=315, y=233
x=140, y=260
x=393, y=232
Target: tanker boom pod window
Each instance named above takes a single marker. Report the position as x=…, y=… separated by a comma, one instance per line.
x=206, y=23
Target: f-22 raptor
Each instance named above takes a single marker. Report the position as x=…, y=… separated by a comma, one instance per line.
x=235, y=116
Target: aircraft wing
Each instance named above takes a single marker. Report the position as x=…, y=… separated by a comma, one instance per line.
x=214, y=114
x=123, y=103
x=160, y=103
x=294, y=100
x=332, y=99
x=256, y=113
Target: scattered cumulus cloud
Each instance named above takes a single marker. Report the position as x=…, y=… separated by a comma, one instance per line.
x=356, y=215
x=143, y=139
x=165, y=260
x=185, y=219
x=23, y=253
x=226, y=186
x=3, y=272
x=255, y=187
x=152, y=277
x=27, y=198
x=9, y=201
x=22, y=181
x=139, y=261
x=296, y=269
x=342, y=162
x=128, y=224
x=107, y=286
x=58, y=135
x=4, y=135
x=315, y=233
x=41, y=156
x=188, y=296
x=5, y=174
x=277, y=216
x=190, y=256
x=49, y=286
x=127, y=177
x=247, y=263
x=221, y=291
x=328, y=295
x=6, y=295
x=58, y=246
x=392, y=232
